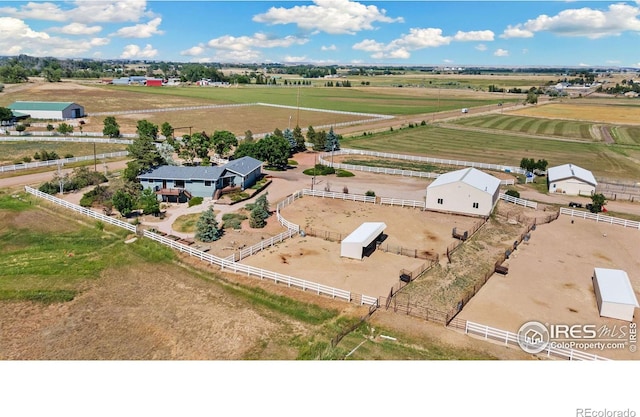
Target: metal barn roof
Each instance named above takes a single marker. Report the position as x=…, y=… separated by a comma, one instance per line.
x=566, y=171
x=365, y=233
x=471, y=176
x=615, y=286
x=40, y=105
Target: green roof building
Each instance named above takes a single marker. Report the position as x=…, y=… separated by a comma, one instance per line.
x=55, y=110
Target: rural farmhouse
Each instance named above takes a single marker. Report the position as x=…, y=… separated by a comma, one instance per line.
x=180, y=183
x=614, y=294
x=466, y=191
x=571, y=180
x=54, y=110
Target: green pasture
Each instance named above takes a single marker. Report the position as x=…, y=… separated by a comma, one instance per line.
x=612, y=161
x=626, y=135
x=332, y=98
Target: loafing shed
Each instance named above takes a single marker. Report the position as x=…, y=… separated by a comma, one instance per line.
x=54, y=110
x=614, y=294
x=354, y=245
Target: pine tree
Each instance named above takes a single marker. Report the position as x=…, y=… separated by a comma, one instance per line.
x=207, y=227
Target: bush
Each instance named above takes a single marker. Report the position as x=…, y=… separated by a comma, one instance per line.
x=342, y=173
x=233, y=220
x=319, y=169
x=370, y=193
x=195, y=201
x=21, y=128
x=513, y=193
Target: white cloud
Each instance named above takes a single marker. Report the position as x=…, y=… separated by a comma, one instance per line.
x=584, y=22
x=401, y=48
x=99, y=41
x=328, y=48
x=81, y=11
x=293, y=59
x=481, y=47
x=501, y=52
x=142, y=30
x=77, y=29
x=258, y=40
x=330, y=16
x=15, y=31
x=474, y=36
x=134, y=51
x=369, y=45
x=448, y=61
x=193, y=51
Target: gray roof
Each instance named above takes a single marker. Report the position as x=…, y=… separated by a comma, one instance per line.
x=471, y=176
x=566, y=171
x=174, y=172
x=242, y=166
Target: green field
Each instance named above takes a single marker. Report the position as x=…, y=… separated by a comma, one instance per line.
x=363, y=100
x=12, y=152
x=611, y=161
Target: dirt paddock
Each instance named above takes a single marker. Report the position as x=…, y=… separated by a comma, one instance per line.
x=549, y=279
x=318, y=260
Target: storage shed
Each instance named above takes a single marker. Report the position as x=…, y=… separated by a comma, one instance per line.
x=614, y=294
x=56, y=110
x=571, y=180
x=361, y=239
x=467, y=191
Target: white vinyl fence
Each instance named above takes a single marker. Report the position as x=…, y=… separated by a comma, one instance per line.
x=80, y=209
x=518, y=201
x=509, y=338
x=85, y=138
x=223, y=263
x=29, y=165
x=402, y=203
x=600, y=218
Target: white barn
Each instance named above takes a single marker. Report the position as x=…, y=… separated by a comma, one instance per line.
x=614, y=294
x=466, y=191
x=571, y=180
x=354, y=245
x=55, y=110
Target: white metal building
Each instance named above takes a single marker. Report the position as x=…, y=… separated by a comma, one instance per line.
x=354, y=245
x=467, y=191
x=614, y=294
x=571, y=180
x=54, y=110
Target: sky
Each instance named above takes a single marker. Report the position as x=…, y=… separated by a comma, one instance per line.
x=328, y=32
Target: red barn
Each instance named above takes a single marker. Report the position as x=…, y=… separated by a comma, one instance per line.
x=154, y=82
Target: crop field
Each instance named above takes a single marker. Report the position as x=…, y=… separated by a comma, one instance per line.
x=536, y=126
x=613, y=113
x=501, y=148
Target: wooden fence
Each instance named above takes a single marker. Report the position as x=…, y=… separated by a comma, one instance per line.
x=600, y=218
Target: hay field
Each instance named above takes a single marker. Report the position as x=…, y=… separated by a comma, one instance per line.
x=597, y=113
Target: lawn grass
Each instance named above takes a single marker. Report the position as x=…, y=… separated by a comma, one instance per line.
x=186, y=223
x=397, y=164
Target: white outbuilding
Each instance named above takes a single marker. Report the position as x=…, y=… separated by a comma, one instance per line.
x=361, y=239
x=614, y=294
x=571, y=180
x=467, y=191
x=54, y=110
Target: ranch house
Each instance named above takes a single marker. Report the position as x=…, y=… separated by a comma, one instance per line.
x=571, y=180
x=180, y=183
x=54, y=110
x=467, y=191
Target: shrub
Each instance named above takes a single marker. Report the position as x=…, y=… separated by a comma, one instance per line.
x=68, y=155
x=370, y=193
x=513, y=193
x=21, y=128
x=319, y=169
x=195, y=201
x=342, y=173
x=233, y=220
x=423, y=123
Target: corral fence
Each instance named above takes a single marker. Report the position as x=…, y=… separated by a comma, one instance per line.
x=335, y=340
x=451, y=248
x=600, y=218
x=405, y=278
x=225, y=264
x=518, y=201
x=402, y=203
x=40, y=164
x=408, y=252
x=401, y=303
x=513, y=339
x=324, y=234
x=265, y=243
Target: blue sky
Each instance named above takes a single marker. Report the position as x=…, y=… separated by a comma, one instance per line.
x=444, y=33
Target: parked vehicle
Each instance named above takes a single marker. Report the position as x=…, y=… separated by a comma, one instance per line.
x=577, y=205
x=465, y=110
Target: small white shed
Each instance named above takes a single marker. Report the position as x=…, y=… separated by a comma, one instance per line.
x=353, y=246
x=614, y=294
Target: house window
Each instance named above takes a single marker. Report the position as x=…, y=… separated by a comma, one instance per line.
x=440, y=201
x=475, y=205
x=207, y=183
x=150, y=181
x=179, y=183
